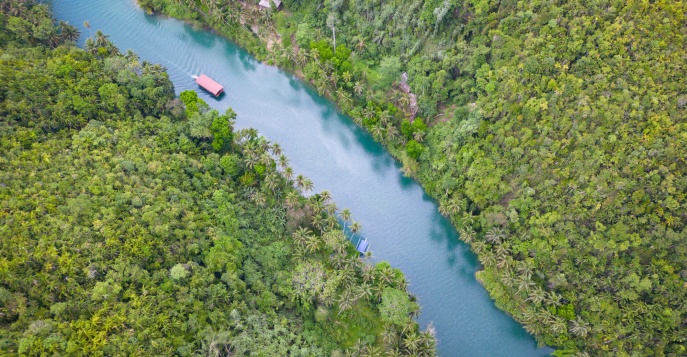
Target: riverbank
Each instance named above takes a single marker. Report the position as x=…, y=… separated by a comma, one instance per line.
x=564, y=171
x=164, y=229
x=260, y=25
x=401, y=221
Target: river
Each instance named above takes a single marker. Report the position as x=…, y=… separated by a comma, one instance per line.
x=399, y=220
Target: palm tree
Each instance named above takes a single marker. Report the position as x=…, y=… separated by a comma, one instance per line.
x=360, y=46
x=300, y=182
x=503, y=261
x=377, y=132
x=346, y=301
x=428, y=342
x=346, y=76
x=314, y=55
x=301, y=58
x=378, y=291
x=358, y=88
x=288, y=173
x=334, y=78
x=525, y=268
x=507, y=278
x=87, y=25
x=312, y=243
x=356, y=227
x=291, y=55
x=385, y=117
x=323, y=87
x=368, y=113
x=340, y=94
x=259, y=199
x=54, y=38
x=386, y=275
x=372, y=351
x=251, y=159
x=325, y=196
x=326, y=299
x=330, y=208
x=307, y=186
x=133, y=61
x=319, y=221
x=391, y=132
x=266, y=159
x=579, y=327
x=345, y=215
x=467, y=234
x=276, y=149
x=394, y=352
x=283, y=161
x=558, y=326
x=101, y=39
x=292, y=198
x=524, y=284
x=90, y=46
x=449, y=208
x=552, y=298
x=412, y=342
x=389, y=335
x=479, y=247
x=536, y=295
x=404, y=100
x=534, y=328
x=300, y=236
x=69, y=32
x=368, y=273
x=367, y=255
x=409, y=327
x=401, y=282
x=316, y=204
x=529, y=316
x=487, y=258
x=364, y=291
x=271, y=182
x=495, y=235
x=502, y=251
x=419, y=136
x=338, y=260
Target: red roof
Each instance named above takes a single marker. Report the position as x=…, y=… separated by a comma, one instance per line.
x=209, y=85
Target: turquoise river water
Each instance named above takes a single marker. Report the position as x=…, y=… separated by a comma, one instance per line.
x=399, y=220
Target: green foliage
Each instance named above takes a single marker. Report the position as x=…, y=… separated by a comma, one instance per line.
x=414, y=149
x=122, y=236
x=221, y=128
x=396, y=307
x=190, y=100
x=410, y=130
x=178, y=272
x=323, y=48
x=304, y=34
x=390, y=70
x=562, y=151
x=230, y=164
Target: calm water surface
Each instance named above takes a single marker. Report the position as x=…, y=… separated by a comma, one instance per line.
x=399, y=220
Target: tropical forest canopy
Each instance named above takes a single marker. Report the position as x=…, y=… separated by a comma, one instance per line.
x=136, y=223
x=551, y=132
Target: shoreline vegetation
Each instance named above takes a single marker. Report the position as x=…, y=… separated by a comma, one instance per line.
x=137, y=223
x=550, y=134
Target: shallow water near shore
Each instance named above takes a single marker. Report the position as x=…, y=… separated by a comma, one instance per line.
x=399, y=220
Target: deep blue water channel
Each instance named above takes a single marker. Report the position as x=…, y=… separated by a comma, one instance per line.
x=399, y=220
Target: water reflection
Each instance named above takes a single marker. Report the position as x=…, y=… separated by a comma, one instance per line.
x=399, y=220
